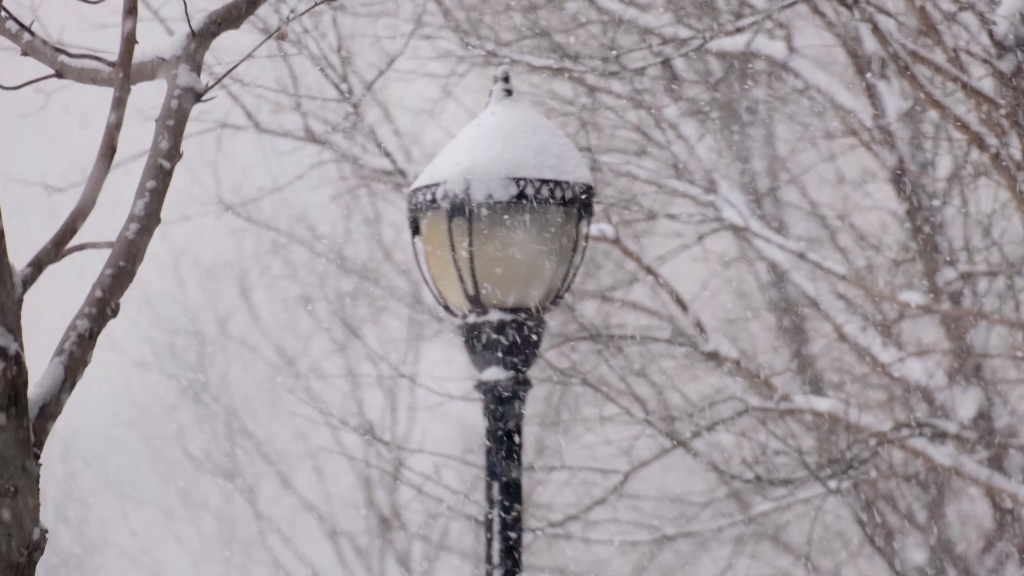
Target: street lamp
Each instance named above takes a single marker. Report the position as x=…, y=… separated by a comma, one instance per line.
x=499, y=225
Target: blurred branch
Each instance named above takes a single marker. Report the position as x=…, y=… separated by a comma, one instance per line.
x=265, y=39
x=707, y=529
x=941, y=456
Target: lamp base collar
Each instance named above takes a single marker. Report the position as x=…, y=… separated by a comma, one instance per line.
x=507, y=341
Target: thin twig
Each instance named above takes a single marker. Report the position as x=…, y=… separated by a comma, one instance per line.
x=266, y=39
x=188, y=18
x=30, y=82
x=673, y=294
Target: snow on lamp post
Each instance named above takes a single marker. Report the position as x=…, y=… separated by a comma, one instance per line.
x=499, y=224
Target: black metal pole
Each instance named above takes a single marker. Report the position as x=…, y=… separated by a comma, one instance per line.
x=503, y=350
x=504, y=401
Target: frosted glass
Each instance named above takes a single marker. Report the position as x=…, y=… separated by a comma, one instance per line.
x=440, y=265
x=522, y=253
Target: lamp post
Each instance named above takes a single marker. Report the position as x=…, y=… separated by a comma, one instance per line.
x=499, y=224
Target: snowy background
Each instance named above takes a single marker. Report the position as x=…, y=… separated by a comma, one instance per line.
x=796, y=352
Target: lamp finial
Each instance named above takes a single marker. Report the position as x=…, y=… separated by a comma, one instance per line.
x=502, y=88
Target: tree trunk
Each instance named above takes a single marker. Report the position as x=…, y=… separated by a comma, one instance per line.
x=22, y=537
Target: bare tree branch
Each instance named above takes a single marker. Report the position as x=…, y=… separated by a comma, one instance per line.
x=85, y=246
x=74, y=66
x=22, y=538
x=102, y=305
x=266, y=39
x=53, y=250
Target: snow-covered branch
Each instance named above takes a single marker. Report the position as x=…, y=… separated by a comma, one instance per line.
x=737, y=38
x=860, y=334
x=942, y=456
x=983, y=138
x=79, y=67
x=734, y=211
x=802, y=67
x=715, y=348
x=705, y=529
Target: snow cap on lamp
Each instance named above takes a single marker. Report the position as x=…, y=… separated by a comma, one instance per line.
x=509, y=139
